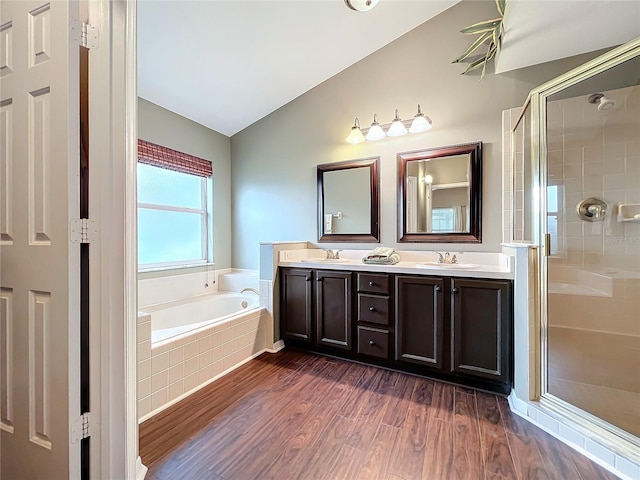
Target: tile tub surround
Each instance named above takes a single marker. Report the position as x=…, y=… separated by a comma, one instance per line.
x=168, y=288
x=170, y=371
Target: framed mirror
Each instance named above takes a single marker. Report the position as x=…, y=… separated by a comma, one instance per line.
x=440, y=194
x=348, y=201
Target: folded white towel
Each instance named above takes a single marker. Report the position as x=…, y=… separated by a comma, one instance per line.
x=382, y=256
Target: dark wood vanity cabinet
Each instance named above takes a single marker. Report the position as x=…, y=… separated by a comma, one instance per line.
x=456, y=329
x=295, y=304
x=316, y=307
x=333, y=308
x=375, y=315
x=457, y=326
x=420, y=320
x=481, y=328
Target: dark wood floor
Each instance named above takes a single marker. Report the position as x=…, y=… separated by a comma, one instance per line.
x=300, y=416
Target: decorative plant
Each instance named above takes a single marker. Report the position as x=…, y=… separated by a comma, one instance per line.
x=489, y=31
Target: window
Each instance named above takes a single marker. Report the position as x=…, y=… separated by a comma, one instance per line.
x=553, y=200
x=173, y=199
x=442, y=220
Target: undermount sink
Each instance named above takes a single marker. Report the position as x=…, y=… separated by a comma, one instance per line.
x=325, y=260
x=445, y=265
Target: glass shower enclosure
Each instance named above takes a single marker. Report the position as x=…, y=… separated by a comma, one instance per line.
x=576, y=193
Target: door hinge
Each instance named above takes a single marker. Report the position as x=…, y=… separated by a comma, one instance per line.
x=83, y=427
x=83, y=230
x=84, y=34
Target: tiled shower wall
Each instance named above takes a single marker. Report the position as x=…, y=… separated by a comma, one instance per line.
x=516, y=188
x=596, y=153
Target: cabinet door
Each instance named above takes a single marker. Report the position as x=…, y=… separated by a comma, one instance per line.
x=481, y=328
x=333, y=308
x=419, y=320
x=295, y=303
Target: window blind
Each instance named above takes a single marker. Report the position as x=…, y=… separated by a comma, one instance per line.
x=164, y=157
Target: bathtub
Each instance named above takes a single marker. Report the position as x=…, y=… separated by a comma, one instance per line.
x=173, y=319
x=186, y=344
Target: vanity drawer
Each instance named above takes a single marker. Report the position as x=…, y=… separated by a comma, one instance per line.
x=373, y=283
x=373, y=342
x=373, y=309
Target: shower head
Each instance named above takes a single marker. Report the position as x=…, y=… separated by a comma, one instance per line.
x=601, y=101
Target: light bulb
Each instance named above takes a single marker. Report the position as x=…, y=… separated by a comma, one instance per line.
x=428, y=179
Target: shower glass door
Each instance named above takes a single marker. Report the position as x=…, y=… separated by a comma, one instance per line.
x=593, y=252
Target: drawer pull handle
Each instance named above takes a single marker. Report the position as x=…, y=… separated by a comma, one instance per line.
x=372, y=309
x=454, y=290
x=372, y=343
x=372, y=284
x=437, y=289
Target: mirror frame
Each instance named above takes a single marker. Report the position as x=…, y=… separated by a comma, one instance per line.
x=474, y=235
x=374, y=184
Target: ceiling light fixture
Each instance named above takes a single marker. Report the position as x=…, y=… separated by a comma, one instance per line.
x=361, y=5
x=418, y=124
x=355, y=136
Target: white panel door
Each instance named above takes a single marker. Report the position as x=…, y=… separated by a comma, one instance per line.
x=40, y=272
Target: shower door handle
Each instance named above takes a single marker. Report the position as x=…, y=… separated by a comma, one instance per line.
x=547, y=244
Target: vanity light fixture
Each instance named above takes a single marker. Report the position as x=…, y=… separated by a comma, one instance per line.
x=419, y=124
x=397, y=128
x=355, y=136
x=361, y=5
x=375, y=131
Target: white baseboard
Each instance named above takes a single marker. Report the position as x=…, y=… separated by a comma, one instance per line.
x=279, y=345
x=526, y=409
x=141, y=470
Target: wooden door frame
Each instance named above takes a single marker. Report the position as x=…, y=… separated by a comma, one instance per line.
x=113, y=256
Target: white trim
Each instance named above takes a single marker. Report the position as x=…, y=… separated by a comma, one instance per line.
x=141, y=470
x=279, y=345
x=113, y=258
x=528, y=410
x=151, y=267
x=171, y=208
x=175, y=267
x=131, y=239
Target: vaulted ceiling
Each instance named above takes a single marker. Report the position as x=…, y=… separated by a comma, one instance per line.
x=227, y=64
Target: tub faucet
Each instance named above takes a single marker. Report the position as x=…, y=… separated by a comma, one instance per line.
x=249, y=289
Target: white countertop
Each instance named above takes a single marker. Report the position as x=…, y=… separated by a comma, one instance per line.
x=479, y=265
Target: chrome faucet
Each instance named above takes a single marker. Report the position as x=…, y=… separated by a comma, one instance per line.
x=447, y=258
x=332, y=254
x=249, y=289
